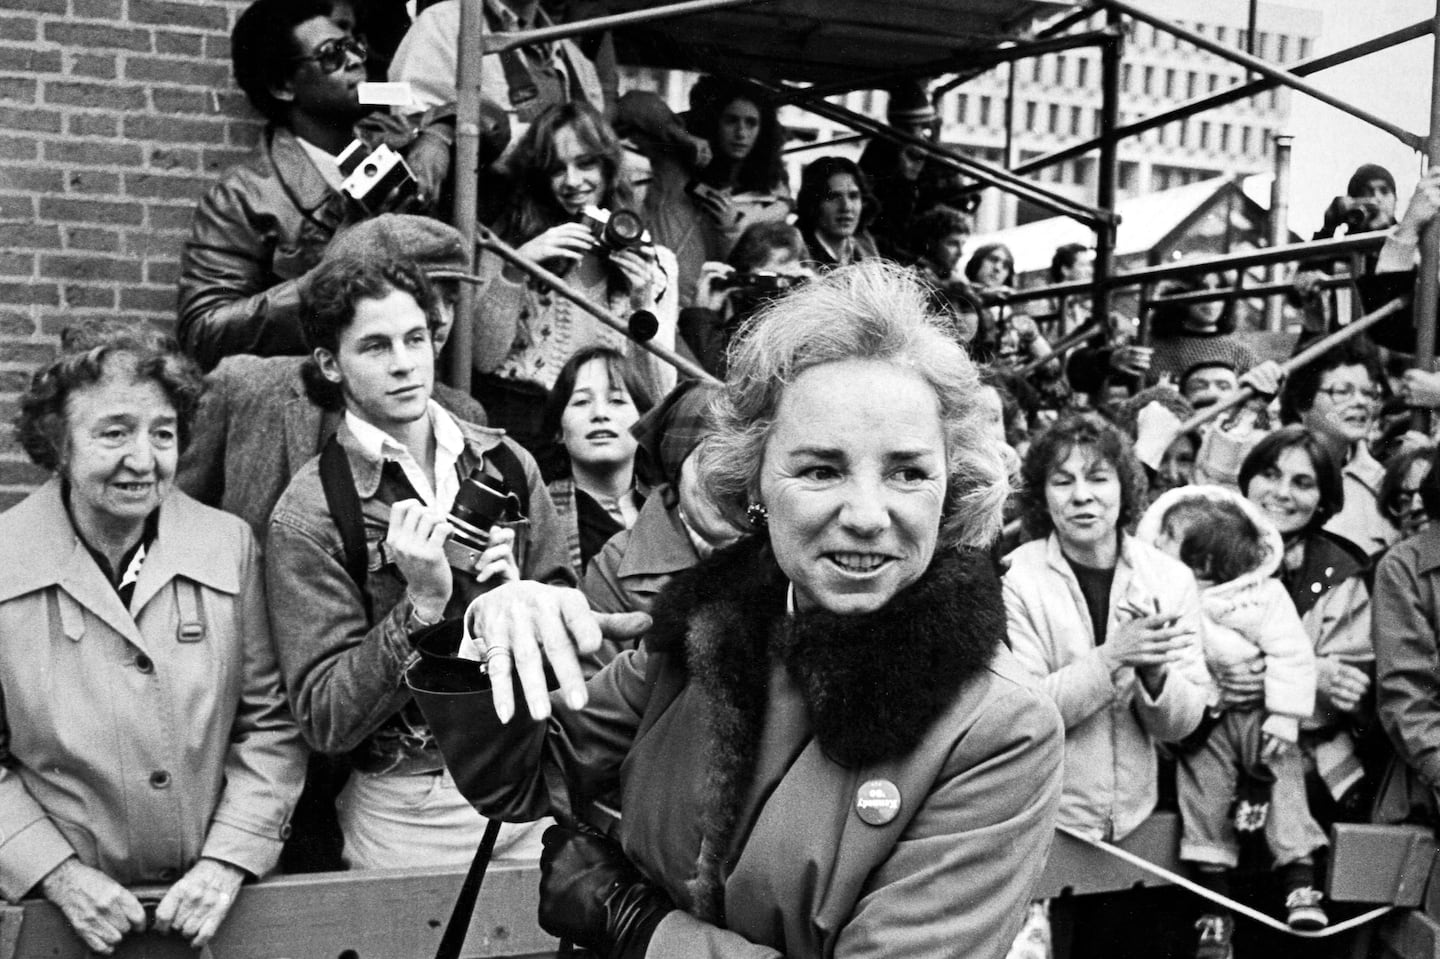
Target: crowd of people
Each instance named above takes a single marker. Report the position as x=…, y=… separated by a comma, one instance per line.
x=843, y=631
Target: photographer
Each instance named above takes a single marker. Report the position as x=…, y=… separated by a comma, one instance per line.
x=768, y=260
x=570, y=211
x=259, y=231
x=361, y=553
x=1368, y=205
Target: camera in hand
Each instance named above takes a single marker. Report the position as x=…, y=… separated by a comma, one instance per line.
x=760, y=282
x=378, y=180
x=614, y=231
x=1359, y=212
x=481, y=502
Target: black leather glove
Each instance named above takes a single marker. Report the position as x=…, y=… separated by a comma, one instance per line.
x=592, y=895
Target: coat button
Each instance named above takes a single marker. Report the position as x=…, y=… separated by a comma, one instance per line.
x=144, y=664
x=160, y=779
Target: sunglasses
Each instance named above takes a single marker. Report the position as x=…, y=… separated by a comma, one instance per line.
x=333, y=54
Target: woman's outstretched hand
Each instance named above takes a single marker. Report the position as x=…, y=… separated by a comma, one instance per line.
x=521, y=626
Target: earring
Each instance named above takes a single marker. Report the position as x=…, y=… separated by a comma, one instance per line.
x=758, y=515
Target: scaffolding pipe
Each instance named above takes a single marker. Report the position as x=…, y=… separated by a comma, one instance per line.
x=564, y=31
x=1313, y=249
x=487, y=240
x=1279, y=222
x=1427, y=285
x=1111, y=54
x=1209, y=102
x=1412, y=140
x=947, y=157
x=826, y=144
x=467, y=178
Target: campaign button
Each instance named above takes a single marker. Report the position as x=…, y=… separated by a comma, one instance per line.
x=877, y=802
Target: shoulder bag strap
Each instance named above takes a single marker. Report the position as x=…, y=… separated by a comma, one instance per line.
x=459, y=923
x=344, y=503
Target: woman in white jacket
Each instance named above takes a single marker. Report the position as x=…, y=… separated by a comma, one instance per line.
x=1112, y=628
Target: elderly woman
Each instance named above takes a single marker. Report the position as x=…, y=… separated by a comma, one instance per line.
x=822, y=746
x=1110, y=627
x=146, y=736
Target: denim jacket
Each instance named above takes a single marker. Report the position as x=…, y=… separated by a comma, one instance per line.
x=345, y=675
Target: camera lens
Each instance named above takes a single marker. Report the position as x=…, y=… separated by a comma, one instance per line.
x=370, y=169
x=624, y=229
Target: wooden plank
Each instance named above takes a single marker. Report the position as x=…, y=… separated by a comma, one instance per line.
x=379, y=914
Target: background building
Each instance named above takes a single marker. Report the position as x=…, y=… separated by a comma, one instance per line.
x=1057, y=103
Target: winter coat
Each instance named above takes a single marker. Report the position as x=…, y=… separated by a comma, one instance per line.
x=139, y=740
x=1111, y=722
x=1406, y=615
x=1252, y=614
x=749, y=746
x=636, y=564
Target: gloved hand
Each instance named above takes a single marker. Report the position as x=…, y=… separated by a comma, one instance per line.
x=592, y=895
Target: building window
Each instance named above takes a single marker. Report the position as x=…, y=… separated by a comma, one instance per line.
x=1220, y=33
x=1204, y=134
x=1059, y=71
x=1161, y=136
x=1030, y=115
x=1147, y=82
x=1200, y=29
x=1082, y=73
x=1192, y=79
x=1282, y=46
x=1053, y=126
x=1184, y=133
x=1077, y=121
x=1037, y=68
x=1224, y=138
x=1126, y=70
x=1304, y=48
x=1242, y=39
x=962, y=107
x=1214, y=82
x=1097, y=123
x=984, y=111
x=1262, y=46
x=1274, y=98
x=1169, y=84
x=1245, y=140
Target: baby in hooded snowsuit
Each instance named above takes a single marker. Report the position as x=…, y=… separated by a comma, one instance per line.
x=1234, y=550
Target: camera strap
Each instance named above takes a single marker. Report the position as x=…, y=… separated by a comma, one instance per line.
x=338, y=482
x=513, y=473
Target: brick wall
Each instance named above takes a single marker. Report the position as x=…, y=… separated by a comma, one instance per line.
x=114, y=117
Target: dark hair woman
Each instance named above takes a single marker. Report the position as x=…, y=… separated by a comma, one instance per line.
x=805, y=758
x=566, y=164
x=595, y=401
x=175, y=678
x=1186, y=335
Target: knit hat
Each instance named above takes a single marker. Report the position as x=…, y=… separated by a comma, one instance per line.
x=432, y=245
x=1362, y=176
x=669, y=433
x=646, y=120
x=910, y=104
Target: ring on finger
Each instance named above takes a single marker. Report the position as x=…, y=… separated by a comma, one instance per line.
x=494, y=652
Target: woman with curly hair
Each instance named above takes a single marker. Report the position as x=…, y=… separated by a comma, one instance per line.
x=146, y=735
x=1111, y=628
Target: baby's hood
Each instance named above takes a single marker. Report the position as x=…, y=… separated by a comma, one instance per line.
x=1149, y=529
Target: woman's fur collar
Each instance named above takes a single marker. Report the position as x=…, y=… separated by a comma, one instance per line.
x=873, y=684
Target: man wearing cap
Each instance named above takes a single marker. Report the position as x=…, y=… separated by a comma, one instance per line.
x=904, y=180
x=1368, y=205
x=264, y=225
x=256, y=427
